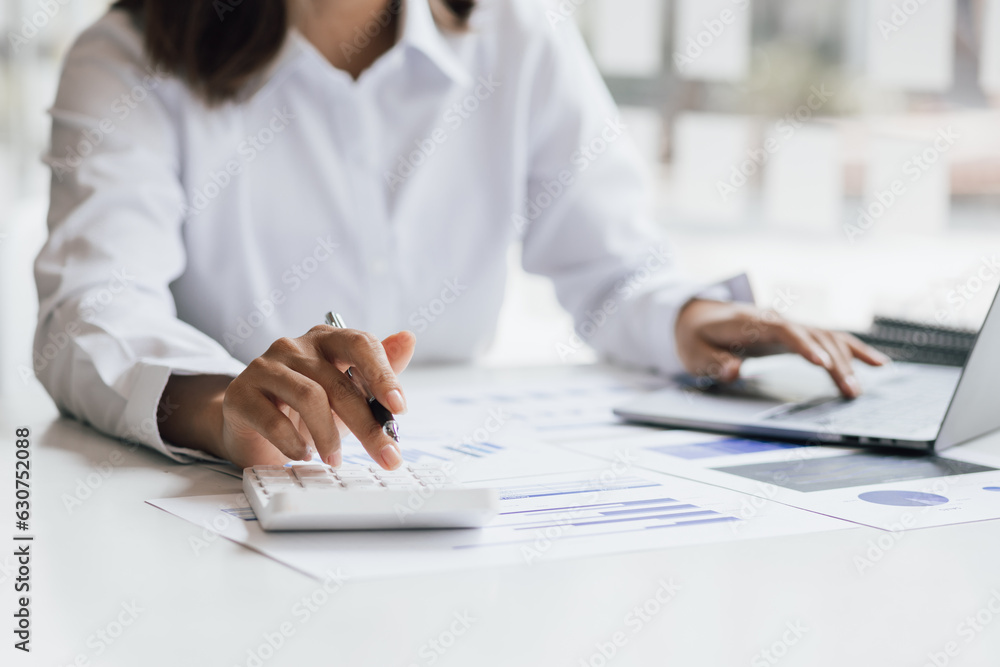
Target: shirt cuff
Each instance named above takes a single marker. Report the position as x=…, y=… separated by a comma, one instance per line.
x=735, y=289
x=668, y=307
x=139, y=422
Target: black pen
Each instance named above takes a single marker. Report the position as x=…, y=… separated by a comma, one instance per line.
x=381, y=414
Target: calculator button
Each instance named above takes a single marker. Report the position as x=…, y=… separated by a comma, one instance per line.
x=282, y=485
x=314, y=498
x=269, y=472
x=394, y=474
x=362, y=484
x=424, y=467
x=354, y=474
x=314, y=488
x=400, y=482
x=311, y=471
x=432, y=477
x=319, y=481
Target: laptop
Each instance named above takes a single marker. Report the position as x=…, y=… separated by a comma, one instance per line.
x=906, y=405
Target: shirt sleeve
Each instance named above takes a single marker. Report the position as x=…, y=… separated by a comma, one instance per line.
x=586, y=223
x=108, y=337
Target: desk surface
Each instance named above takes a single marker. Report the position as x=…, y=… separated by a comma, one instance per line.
x=191, y=599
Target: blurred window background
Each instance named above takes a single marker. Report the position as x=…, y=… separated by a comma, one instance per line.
x=844, y=153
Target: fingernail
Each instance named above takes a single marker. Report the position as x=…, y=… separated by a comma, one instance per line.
x=310, y=453
x=823, y=357
x=397, y=404
x=335, y=459
x=390, y=457
x=882, y=358
x=854, y=385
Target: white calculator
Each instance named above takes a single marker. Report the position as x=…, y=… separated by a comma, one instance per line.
x=359, y=497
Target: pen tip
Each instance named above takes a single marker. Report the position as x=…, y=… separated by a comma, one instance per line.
x=391, y=429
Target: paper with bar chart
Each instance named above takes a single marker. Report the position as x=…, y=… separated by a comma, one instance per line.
x=887, y=490
x=468, y=424
x=598, y=508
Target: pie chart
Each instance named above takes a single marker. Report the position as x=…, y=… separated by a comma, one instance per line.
x=902, y=498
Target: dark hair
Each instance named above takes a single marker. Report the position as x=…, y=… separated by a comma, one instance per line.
x=218, y=46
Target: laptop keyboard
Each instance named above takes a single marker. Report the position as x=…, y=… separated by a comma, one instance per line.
x=903, y=405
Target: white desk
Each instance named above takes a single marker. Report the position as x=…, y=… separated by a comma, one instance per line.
x=208, y=609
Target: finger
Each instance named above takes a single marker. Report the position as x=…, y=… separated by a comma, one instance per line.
x=842, y=372
x=329, y=449
x=365, y=353
x=257, y=452
x=346, y=400
x=399, y=349
x=865, y=352
x=703, y=359
x=264, y=417
x=797, y=339
x=308, y=398
x=299, y=424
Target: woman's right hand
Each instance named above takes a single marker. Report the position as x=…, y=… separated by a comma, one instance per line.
x=296, y=397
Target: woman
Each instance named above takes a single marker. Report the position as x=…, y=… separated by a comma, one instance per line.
x=224, y=173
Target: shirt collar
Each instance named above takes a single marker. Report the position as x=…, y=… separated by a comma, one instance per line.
x=421, y=32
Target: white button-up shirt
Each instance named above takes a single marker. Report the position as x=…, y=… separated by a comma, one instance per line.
x=186, y=239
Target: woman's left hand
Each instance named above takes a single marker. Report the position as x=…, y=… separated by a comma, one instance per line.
x=714, y=337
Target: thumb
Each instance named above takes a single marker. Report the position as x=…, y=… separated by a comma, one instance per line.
x=399, y=349
x=703, y=359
